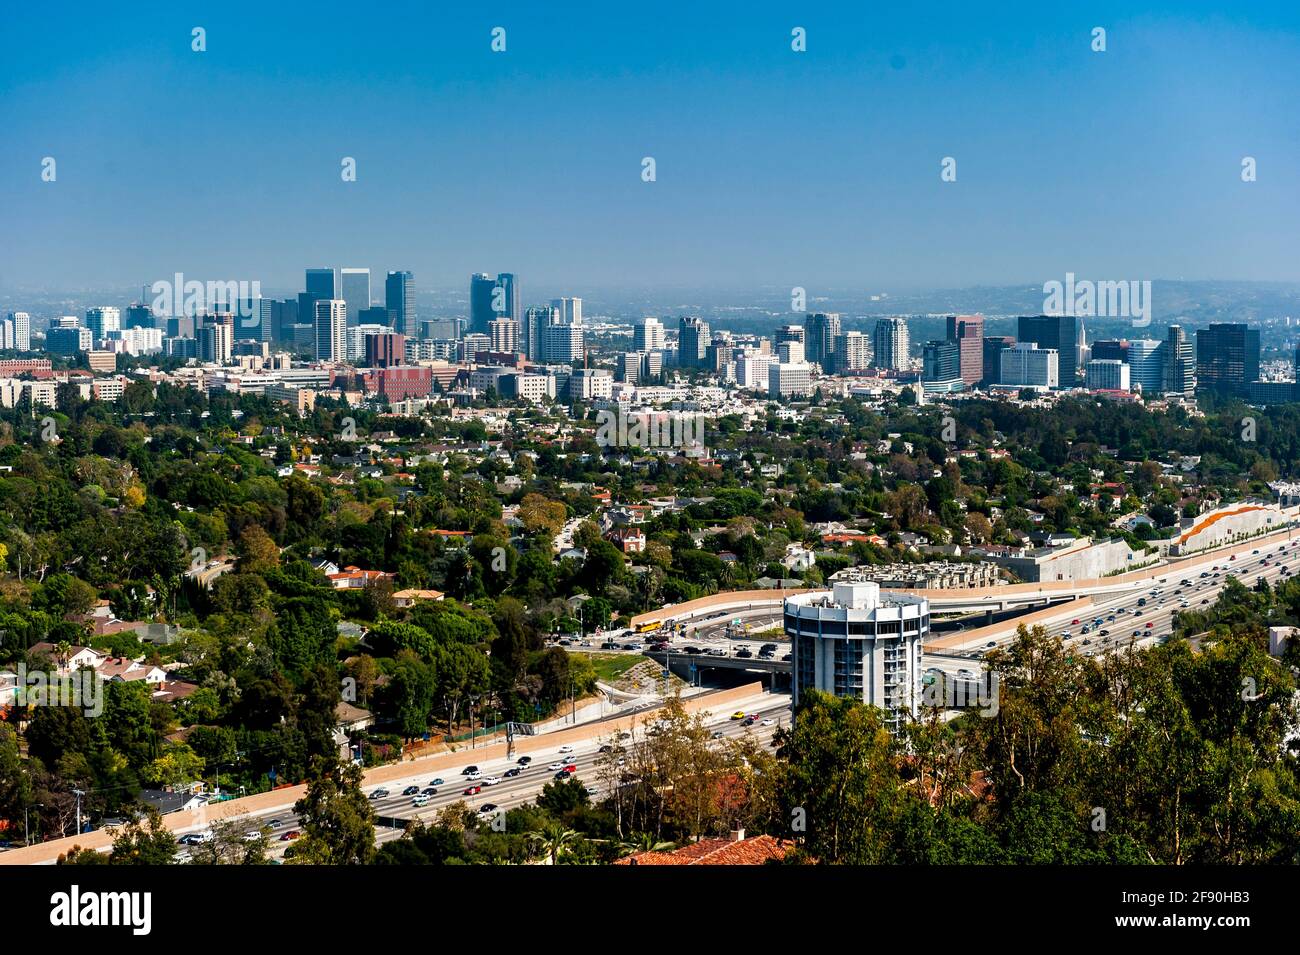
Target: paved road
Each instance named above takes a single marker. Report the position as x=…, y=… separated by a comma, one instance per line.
x=512, y=792
x=1161, y=602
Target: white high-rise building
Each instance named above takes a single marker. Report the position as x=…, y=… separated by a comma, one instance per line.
x=570, y=310
x=854, y=641
x=852, y=352
x=752, y=370
x=648, y=335
x=331, y=329
x=789, y=379
x=355, y=284
x=790, y=353
x=1106, y=374
x=564, y=344
x=504, y=333
x=1025, y=365
x=357, y=335
x=891, y=344
x=22, y=336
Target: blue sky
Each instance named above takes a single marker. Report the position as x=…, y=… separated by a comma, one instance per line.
x=775, y=168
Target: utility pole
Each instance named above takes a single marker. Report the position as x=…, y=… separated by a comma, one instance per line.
x=78, y=793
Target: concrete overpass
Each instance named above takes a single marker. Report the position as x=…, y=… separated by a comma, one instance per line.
x=970, y=600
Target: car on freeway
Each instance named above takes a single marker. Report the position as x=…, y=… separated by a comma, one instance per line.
x=1136, y=633
x=555, y=766
x=469, y=770
x=744, y=652
x=570, y=768
x=429, y=791
x=512, y=772
x=472, y=790
x=491, y=780
x=252, y=835
x=420, y=801
x=991, y=644
x=291, y=835
x=593, y=791
x=566, y=748
x=767, y=722
x=524, y=760
x=787, y=658
x=562, y=774
x=410, y=790
x=379, y=793
x=1074, y=622
x=195, y=838
x=437, y=782
x=487, y=809
x=718, y=734
x=1150, y=624
x=1105, y=633
x=692, y=650
x=738, y=715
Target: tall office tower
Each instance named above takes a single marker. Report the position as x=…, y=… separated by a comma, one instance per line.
x=790, y=333
x=7, y=334
x=652, y=365
x=648, y=335
x=482, y=290
x=22, y=330
x=692, y=342
x=322, y=283
x=504, y=333
x=66, y=321
x=941, y=364
x=1107, y=374
x=265, y=319
x=856, y=642
x=377, y=315
x=286, y=318
x=852, y=353
x=138, y=316
x=992, y=351
x=216, y=338
x=570, y=310
x=533, y=331
x=63, y=340
x=820, y=331
x=507, y=304
x=331, y=330
x=1146, y=362
x=629, y=367
x=892, y=344
x=564, y=344
x=968, y=332
x=1058, y=332
x=1180, y=363
x=791, y=353
x=1227, y=356
x=399, y=298
x=1110, y=349
x=103, y=319
x=354, y=285
x=1025, y=365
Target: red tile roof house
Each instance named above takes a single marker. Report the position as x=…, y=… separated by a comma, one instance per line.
x=351, y=577
x=735, y=849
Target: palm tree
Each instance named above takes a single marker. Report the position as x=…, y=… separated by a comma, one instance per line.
x=553, y=840
x=647, y=842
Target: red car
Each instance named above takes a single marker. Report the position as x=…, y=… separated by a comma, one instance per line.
x=290, y=835
x=1150, y=624
x=472, y=791
x=1074, y=622
x=571, y=768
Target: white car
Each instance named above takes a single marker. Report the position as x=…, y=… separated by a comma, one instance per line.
x=419, y=801
x=767, y=722
x=566, y=748
x=556, y=767
x=474, y=775
x=491, y=780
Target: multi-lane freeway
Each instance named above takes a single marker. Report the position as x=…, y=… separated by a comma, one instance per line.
x=395, y=808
